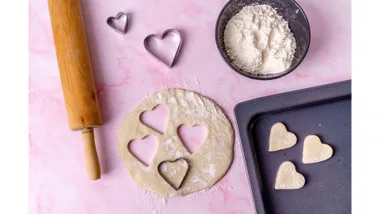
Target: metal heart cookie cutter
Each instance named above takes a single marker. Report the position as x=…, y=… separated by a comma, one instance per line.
x=164, y=48
x=119, y=23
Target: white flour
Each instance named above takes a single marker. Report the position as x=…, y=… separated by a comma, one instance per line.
x=258, y=40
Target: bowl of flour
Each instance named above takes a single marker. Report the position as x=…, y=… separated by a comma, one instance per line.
x=262, y=39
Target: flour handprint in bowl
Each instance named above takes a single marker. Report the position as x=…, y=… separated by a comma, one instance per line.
x=262, y=39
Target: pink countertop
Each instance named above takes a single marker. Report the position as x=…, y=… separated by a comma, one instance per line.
x=125, y=74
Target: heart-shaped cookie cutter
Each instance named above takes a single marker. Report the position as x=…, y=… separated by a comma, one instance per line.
x=111, y=22
x=174, y=161
x=158, y=58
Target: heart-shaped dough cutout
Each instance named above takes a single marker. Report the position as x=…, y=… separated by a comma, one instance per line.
x=280, y=138
x=174, y=172
x=288, y=177
x=192, y=136
x=144, y=149
x=156, y=119
x=315, y=151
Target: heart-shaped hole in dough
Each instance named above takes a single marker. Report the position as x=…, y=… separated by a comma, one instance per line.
x=144, y=149
x=192, y=136
x=156, y=119
x=280, y=138
x=315, y=151
x=288, y=178
x=174, y=172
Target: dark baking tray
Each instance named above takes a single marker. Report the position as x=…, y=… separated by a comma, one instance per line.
x=324, y=111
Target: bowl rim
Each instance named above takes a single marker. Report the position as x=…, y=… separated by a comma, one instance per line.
x=258, y=77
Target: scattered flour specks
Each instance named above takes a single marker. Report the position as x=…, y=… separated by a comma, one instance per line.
x=172, y=100
x=183, y=103
x=212, y=170
x=197, y=81
x=178, y=154
x=230, y=187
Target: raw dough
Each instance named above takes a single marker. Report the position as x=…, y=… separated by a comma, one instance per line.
x=315, y=151
x=288, y=178
x=174, y=171
x=280, y=138
x=207, y=164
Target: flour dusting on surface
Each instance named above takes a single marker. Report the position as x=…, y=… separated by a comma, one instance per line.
x=212, y=170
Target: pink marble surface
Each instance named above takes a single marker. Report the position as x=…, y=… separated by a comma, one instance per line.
x=125, y=74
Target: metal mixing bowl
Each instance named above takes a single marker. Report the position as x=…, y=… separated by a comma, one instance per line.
x=290, y=10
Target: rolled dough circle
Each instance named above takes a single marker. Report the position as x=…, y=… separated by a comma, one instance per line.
x=207, y=164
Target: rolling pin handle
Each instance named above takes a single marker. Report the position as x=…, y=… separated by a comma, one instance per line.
x=92, y=161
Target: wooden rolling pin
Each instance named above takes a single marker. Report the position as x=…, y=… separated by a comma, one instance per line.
x=76, y=76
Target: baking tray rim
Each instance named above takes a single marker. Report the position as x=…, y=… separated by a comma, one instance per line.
x=267, y=105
